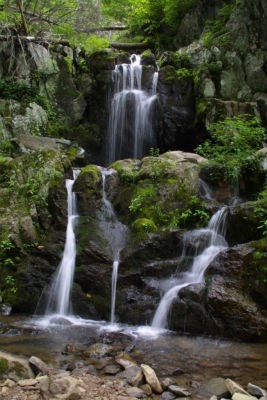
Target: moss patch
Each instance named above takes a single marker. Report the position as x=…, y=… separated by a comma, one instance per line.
x=3, y=366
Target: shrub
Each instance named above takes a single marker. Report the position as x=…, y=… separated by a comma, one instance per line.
x=233, y=145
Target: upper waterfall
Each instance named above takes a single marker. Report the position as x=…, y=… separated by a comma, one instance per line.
x=130, y=130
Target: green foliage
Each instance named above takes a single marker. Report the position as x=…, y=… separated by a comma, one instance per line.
x=116, y=9
x=217, y=34
x=33, y=174
x=184, y=73
x=158, y=18
x=154, y=152
x=260, y=211
x=18, y=90
x=260, y=258
x=90, y=43
x=233, y=145
x=6, y=148
x=156, y=167
x=128, y=174
x=175, y=10
x=8, y=288
x=142, y=199
x=5, y=245
x=94, y=43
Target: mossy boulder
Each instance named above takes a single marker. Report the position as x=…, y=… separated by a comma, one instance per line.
x=159, y=189
x=32, y=209
x=142, y=225
x=14, y=367
x=88, y=187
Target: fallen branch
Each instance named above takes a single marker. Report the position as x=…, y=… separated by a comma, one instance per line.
x=105, y=28
x=129, y=46
x=33, y=39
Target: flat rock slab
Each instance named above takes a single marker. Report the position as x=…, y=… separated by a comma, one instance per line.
x=179, y=391
x=241, y=396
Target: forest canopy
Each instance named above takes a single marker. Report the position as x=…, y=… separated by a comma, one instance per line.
x=146, y=20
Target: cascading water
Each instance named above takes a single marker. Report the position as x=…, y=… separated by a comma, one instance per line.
x=130, y=132
x=116, y=235
x=215, y=232
x=59, y=294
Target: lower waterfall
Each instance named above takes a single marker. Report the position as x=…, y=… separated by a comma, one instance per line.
x=216, y=243
x=116, y=235
x=59, y=293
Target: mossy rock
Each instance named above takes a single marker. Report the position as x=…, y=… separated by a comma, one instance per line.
x=14, y=367
x=127, y=169
x=89, y=182
x=144, y=225
x=163, y=189
x=3, y=366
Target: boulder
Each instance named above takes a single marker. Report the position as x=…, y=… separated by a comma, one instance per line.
x=38, y=366
x=136, y=392
x=151, y=378
x=98, y=350
x=179, y=391
x=14, y=367
x=227, y=294
x=32, y=143
x=216, y=387
x=241, y=396
x=242, y=224
x=255, y=390
x=60, y=386
x=234, y=387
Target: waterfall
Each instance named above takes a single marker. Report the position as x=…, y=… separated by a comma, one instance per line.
x=130, y=131
x=59, y=294
x=116, y=235
x=215, y=232
x=204, y=190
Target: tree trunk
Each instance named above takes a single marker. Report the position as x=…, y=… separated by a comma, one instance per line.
x=24, y=24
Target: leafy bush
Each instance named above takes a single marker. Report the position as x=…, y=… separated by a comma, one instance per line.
x=18, y=90
x=6, y=147
x=217, y=34
x=261, y=211
x=233, y=145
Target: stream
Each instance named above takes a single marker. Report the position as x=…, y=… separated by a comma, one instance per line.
x=192, y=360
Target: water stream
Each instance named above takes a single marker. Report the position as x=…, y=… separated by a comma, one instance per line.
x=216, y=243
x=116, y=235
x=59, y=293
x=130, y=132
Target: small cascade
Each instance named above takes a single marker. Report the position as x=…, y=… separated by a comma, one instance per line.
x=116, y=235
x=59, y=294
x=215, y=232
x=204, y=190
x=130, y=132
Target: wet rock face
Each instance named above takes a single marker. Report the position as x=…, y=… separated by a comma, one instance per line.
x=177, y=108
x=224, y=306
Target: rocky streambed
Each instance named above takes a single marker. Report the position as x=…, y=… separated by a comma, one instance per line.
x=99, y=361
